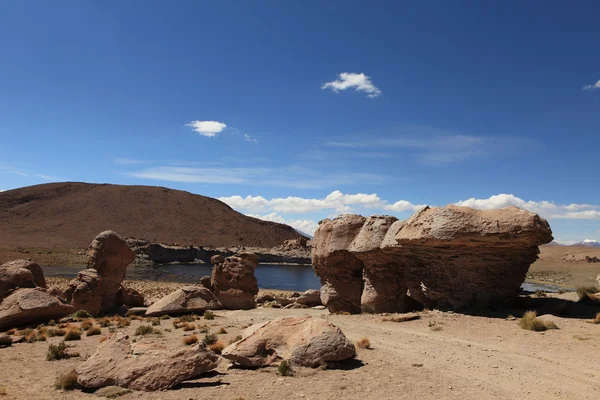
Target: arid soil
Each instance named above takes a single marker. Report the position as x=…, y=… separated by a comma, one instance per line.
x=69, y=215
x=566, y=265
x=441, y=355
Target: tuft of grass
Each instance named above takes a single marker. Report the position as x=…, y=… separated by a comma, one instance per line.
x=189, y=340
x=187, y=318
x=144, y=330
x=56, y=352
x=217, y=347
x=3, y=391
x=433, y=325
x=209, y=315
x=583, y=291
x=155, y=321
x=104, y=322
x=94, y=330
x=210, y=338
x=222, y=331
x=285, y=368
x=86, y=324
x=203, y=329
x=73, y=334
x=364, y=343
x=188, y=327
x=60, y=332
x=122, y=322
x=66, y=381
x=402, y=318
x=5, y=341
x=597, y=319
x=540, y=293
x=81, y=314
x=164, y=317
x=531, y=322
x=35, y=336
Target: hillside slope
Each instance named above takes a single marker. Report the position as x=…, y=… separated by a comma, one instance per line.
x=70, y=215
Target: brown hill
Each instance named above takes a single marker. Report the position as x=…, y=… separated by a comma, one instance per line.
x=70, y=215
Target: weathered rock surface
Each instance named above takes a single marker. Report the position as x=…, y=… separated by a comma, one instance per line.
x=598, y=281
x=28, y=306
x=309, y=298
x=14, y=277
x=305, y=341
x=188, y=299
x=117, y=363
x=95, y=288
x=448, y=257
x=129, y=298
x=34, y=268
x=233, y=281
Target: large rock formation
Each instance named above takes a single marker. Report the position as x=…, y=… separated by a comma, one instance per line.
x=14, y=277
x=117, y=363
x=29, y=306
x=187, y=300
x=305, y=341
x=95, y=288
x=449, y=257
x=233, y=281
x=34, y=268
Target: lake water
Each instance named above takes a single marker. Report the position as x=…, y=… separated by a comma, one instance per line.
x=270, y=276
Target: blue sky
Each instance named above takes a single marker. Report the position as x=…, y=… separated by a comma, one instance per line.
x=311, y=108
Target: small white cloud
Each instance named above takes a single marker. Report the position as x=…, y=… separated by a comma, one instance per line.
x=207, y=128
x=129, y=161
x=303, y=225
x=592, y=87
x=403, y=205
x=248, y=138
x=360, y=83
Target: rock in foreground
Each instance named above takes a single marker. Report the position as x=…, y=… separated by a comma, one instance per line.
x=449, y=257
x=29, y=306
x=187, y=300
x=305, y=341
x=117, y=363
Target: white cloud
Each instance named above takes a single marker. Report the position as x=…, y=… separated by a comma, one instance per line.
x=403, y=205
x=546, y=209
x=19, y=172
x=248, y=138
x=303, y=225
x=360, y=83
x=207, y=128
x=129, y=161
x=592, y=87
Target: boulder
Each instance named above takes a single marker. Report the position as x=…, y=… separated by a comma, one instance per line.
x=233, y=281
x=448, y=257
x=265, y=298
x=34, y=268
x=129, y=298
x=305, y=341
x=205, y=281
x=188, y=299
x=95, y=288
x=12, y=278
x=310, y=298
x=117, y=363
x=31, y=306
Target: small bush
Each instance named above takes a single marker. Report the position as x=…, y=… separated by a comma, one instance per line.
x=203, y=329
x=187, y=318
x=67, y=381
x=285, y=368
x=143, y=330
x=94, y=330
x=531, y=322
x=188, y=327
x=209, y=339
x=5, y=341
x=155, y=321
x=189, y=340
x=73, y=334
x=122, y=322
x=209, y=315
x=433, y=325
x=86, y=324
x=104, y=322
x=60, y=332
x=35, y=336
x=164, y=317
x=583, y=291
x=81, y=314
x=52, y=322
x=217, y=347
x=56, y=352
x=364, y=343
x=597, y=319
x=222, y=331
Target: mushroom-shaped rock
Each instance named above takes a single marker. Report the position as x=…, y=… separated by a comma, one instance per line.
x=31, y=306
x=305, y=341
x=447, y=257
x=233, y=281
x=33, y=267
x=152, y=367
x=188, y=299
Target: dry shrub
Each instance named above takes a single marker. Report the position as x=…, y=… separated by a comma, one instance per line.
x=60, y=332
x=189, y=340
x=86, y=324
x=35, y=336
x=285, y=368
x=5, y=341
x=209, y=339
x=402, y=318
x=143, y=330
x=364, y=343
x=204, y=329
x=135, y=317
x=209, y=315
x=222, y=331
x=56, y=352
x=81, y=314
x=67, y=381
x=597, y=319
x=122, y=322
x=217, y=347
x=94, y=330
x=531, y=322
x=104, y=322
x=155, y=321
x=187, y=318
x=73, y=334
x=188, y=327
x=583, y=291
x=164, y=317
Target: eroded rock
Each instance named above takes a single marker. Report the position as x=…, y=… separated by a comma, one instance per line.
x=29, y=306
x=117, y=363
x=188, y=299
x=33, y=267
x=305, y=341
x=233, y=281
x=448, y=257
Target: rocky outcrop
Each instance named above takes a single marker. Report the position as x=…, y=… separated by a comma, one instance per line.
x=187, y=300
x=95, y=288
x=233, y=281
x=129, y=298
x=143, y=367
x=449, y=257
x=13, y=277
x=305, y=341
x=29, y=306
x=34, y=268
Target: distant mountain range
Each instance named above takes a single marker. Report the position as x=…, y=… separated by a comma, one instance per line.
x=588, y=243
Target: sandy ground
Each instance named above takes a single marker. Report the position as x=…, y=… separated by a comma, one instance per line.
x=463, y=356
x=566, y=265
